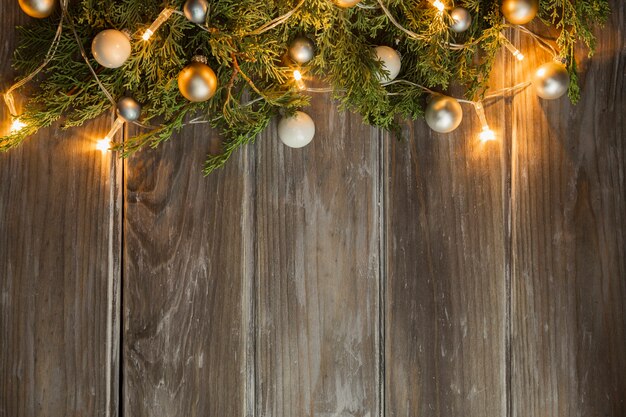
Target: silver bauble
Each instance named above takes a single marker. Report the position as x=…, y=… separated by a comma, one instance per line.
x=462, y=19
x=196, y=10
x=111, y=48
x=520, y=12
x=551, y=80
x=443, y=114
x=302, y=49
x=38, y=8
x=391, y=63
x=128, y=109
x=347, y=3
x=197, y=82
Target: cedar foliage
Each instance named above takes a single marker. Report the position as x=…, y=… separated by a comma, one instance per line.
x=254, y=82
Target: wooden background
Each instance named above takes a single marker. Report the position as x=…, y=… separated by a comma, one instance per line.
x=359, y=276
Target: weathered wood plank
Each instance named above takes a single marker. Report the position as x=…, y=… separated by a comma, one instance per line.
x=569, y=233
x=445, y=292
x=60, y=240
x=186, y=268
x=317, y=270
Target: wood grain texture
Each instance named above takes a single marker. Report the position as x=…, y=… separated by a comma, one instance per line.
x=445, y=292
x=317, y=218
x=569, y=232
x=186, y=276
x=60, y=240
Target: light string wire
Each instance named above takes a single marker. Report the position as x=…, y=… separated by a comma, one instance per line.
x=8, y=97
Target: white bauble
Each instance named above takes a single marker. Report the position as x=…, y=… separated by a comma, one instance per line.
x=296, y=131
x=391, y=62
x=443, y=114
x=111, y=48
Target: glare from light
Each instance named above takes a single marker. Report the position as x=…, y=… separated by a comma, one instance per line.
x=439, y=5
x=104, y=145
x=519, y=56
x=297, y=76
x=17, y=125
x=487, y=135
x=147, y=34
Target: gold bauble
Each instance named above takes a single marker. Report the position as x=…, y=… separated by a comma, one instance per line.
x=519, y=12
x=443, y=114
x=347, y=3
x=197, y=82
x=38, y=8
x=551, y=80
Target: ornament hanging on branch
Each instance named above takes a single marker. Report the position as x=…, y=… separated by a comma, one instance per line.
x=443, y=114
x=551, y=80
x=111, y=48
x=196, y=11
x=391, y=63
x=461, y=19
x=519, y=12
x=39, y=9
x=129, y=109
x=197, y=82
x=301, y=49
x=296, y=131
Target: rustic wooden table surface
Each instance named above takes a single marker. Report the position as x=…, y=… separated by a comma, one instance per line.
x=360, y=276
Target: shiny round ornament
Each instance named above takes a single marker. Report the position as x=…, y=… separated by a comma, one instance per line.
x=296, y=131
x=128, y=109
x=391, y=63
x=520, y=12
x=197, y=82
x=443, y=114
x=347, y=3
x=462, y=19
x=111, y=48
x=551, y=80
x=302, y=49
x=196, y=10
x=38, y=8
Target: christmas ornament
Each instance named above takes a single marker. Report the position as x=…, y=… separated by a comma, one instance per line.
x=443, y=114
x=38, y=8
x=461, y=18
x=196, y=10
x=129, y=109
x=197, y=81
x=551, y=80
x=519, y=12
x=296, y=131
x=347, y=3
x=302, y=49
x=391, y=62
x=111, y=48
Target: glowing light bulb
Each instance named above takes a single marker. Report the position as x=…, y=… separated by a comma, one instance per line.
x=17, y=125
x=162, y=18
x=486, y=135
x=438, y=4
x=297, y=76
x=516, y=52
x=103, y=145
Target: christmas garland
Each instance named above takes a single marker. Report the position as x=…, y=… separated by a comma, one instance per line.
x=236, y=64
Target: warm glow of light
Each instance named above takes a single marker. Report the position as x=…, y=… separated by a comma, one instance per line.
x=487, y=135
x=147, y=34
x=297, y=76
x=17, y=125
x=519, y=56
x=104, y=145
x=439, y=5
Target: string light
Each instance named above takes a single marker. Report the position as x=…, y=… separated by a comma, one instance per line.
x=17, y=125
x=486, y=135
x=104, y=144
x=516, y=52
x=297, y=76
x=162, y=18
x=438, y=4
